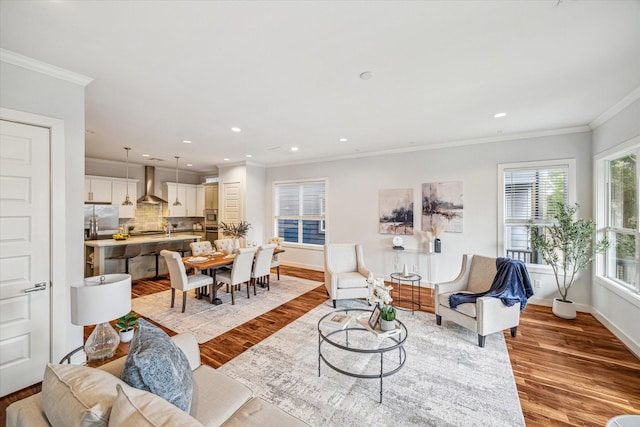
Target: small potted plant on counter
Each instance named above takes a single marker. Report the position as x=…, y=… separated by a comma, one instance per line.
x=125, y=325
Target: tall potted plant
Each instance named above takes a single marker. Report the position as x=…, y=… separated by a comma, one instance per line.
x=567, y=246
x=235, y=231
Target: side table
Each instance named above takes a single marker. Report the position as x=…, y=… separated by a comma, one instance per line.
x=411, y=279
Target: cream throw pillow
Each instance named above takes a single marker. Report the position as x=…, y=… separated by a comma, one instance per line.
x=139, y=408
x=75, y=395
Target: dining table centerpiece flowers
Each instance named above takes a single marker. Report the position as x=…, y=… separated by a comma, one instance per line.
x=381, y=296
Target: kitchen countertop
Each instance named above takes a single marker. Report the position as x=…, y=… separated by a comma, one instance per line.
x=140, y=239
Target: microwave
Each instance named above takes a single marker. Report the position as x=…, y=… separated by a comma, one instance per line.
x=210, y=216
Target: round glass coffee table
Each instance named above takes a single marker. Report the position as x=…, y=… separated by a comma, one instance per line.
x=347, y=344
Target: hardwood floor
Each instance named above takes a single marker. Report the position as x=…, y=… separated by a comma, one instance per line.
x=568, y=373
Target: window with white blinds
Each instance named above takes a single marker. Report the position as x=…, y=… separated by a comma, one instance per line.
x=531, y=192
x=299, y=211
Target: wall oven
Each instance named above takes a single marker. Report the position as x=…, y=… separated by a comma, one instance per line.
x=211, y=217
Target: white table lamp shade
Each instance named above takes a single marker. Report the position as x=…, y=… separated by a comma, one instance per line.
x=93, y=301
x=97, y=301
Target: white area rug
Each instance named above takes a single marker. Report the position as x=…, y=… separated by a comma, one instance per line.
x=206, y=320
x=447, y=379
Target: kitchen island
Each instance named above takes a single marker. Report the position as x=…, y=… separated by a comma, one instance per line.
x=97, y=253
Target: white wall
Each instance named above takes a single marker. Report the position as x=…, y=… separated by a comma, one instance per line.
x=352, y=199
x=35, y=93
x=617, y=308
x=255, y=204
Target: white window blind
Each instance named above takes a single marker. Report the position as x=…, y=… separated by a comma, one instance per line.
x=299, y=212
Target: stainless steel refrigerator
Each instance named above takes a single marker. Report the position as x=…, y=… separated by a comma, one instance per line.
x=100, y=220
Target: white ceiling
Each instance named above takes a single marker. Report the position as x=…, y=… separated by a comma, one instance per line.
x=287, y=72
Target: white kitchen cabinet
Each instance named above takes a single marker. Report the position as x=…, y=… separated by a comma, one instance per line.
x=199, y=200
x=188, y=197
x=97, y=189
x=171, y=191
x=119, y=193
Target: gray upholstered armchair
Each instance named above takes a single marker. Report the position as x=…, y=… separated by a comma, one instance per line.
x=345, y=275
x=488, y=314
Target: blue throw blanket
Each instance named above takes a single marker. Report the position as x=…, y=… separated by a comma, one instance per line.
x=511, y=285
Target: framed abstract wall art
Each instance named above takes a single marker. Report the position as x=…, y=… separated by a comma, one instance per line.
x=396, y=211
x=442, y=207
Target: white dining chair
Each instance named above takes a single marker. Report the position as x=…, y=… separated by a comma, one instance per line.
x=180, y=280
x=275, y=259
x=262, y=265
x=225, y=245
x=240, y=271
x=199, y=248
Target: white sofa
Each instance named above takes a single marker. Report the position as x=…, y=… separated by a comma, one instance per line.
x=217, y=400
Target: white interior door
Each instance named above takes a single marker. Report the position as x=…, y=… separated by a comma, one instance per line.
x=232, y=209
x=24, y=255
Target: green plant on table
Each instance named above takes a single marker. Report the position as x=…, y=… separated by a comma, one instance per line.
x=127, y=321
x=380, y=294
x=567, y=246
x=235, y=231
x=388, y=312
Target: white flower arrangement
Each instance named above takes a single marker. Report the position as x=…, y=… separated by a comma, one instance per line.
x=381, y=296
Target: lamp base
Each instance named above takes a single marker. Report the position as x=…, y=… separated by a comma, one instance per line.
x=102, y=343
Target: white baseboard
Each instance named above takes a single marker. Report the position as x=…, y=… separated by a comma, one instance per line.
x=633, y=346
x=301, y=265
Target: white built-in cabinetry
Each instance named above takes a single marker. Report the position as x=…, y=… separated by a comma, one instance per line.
x=190, y=197
x=119, y=193
x=103, y=189
x=97, y=189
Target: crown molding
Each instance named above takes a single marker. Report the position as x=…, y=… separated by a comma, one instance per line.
x=632, y=97
x=43, y=68
x=448, y=144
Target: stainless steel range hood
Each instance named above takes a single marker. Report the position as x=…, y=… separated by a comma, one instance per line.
x=150, y=182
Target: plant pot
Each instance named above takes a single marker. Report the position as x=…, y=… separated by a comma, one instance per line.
x=126, y=335
x=387, y=325
x=564, y=309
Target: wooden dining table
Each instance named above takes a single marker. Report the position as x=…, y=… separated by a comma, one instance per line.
x=213, y=262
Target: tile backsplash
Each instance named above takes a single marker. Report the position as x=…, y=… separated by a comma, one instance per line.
x=149, y=218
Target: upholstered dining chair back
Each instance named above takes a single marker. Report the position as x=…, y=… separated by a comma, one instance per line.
x=262, y=262
x=199, y=248
x=179, y=278
x=240, y=271
x=275, y=260
x=225, y=245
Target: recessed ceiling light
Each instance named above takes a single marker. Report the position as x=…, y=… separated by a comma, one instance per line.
x=343, y=139
x=499, y=115
x=294, y=148
x=248, y=155
x=226, y=159
x=189, y=165
x=145, y=155
x=236, y=129
x=186, y=141
x=367, y=75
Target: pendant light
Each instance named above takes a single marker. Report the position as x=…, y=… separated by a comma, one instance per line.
x=177, y=202
x=127, y=201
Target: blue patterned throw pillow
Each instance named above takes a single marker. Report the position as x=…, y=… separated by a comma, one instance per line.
x=157, y=365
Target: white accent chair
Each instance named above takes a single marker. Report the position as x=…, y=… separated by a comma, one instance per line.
x=180, y=280
x=199, y=248
x=240, y=271
x=225, y=245
x=488, y=314
x=345, y=275
x=262, y=265
x=275, y=261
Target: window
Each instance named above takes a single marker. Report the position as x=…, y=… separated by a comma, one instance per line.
x=299, y=211
x=531, y=192
x=618, y=204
